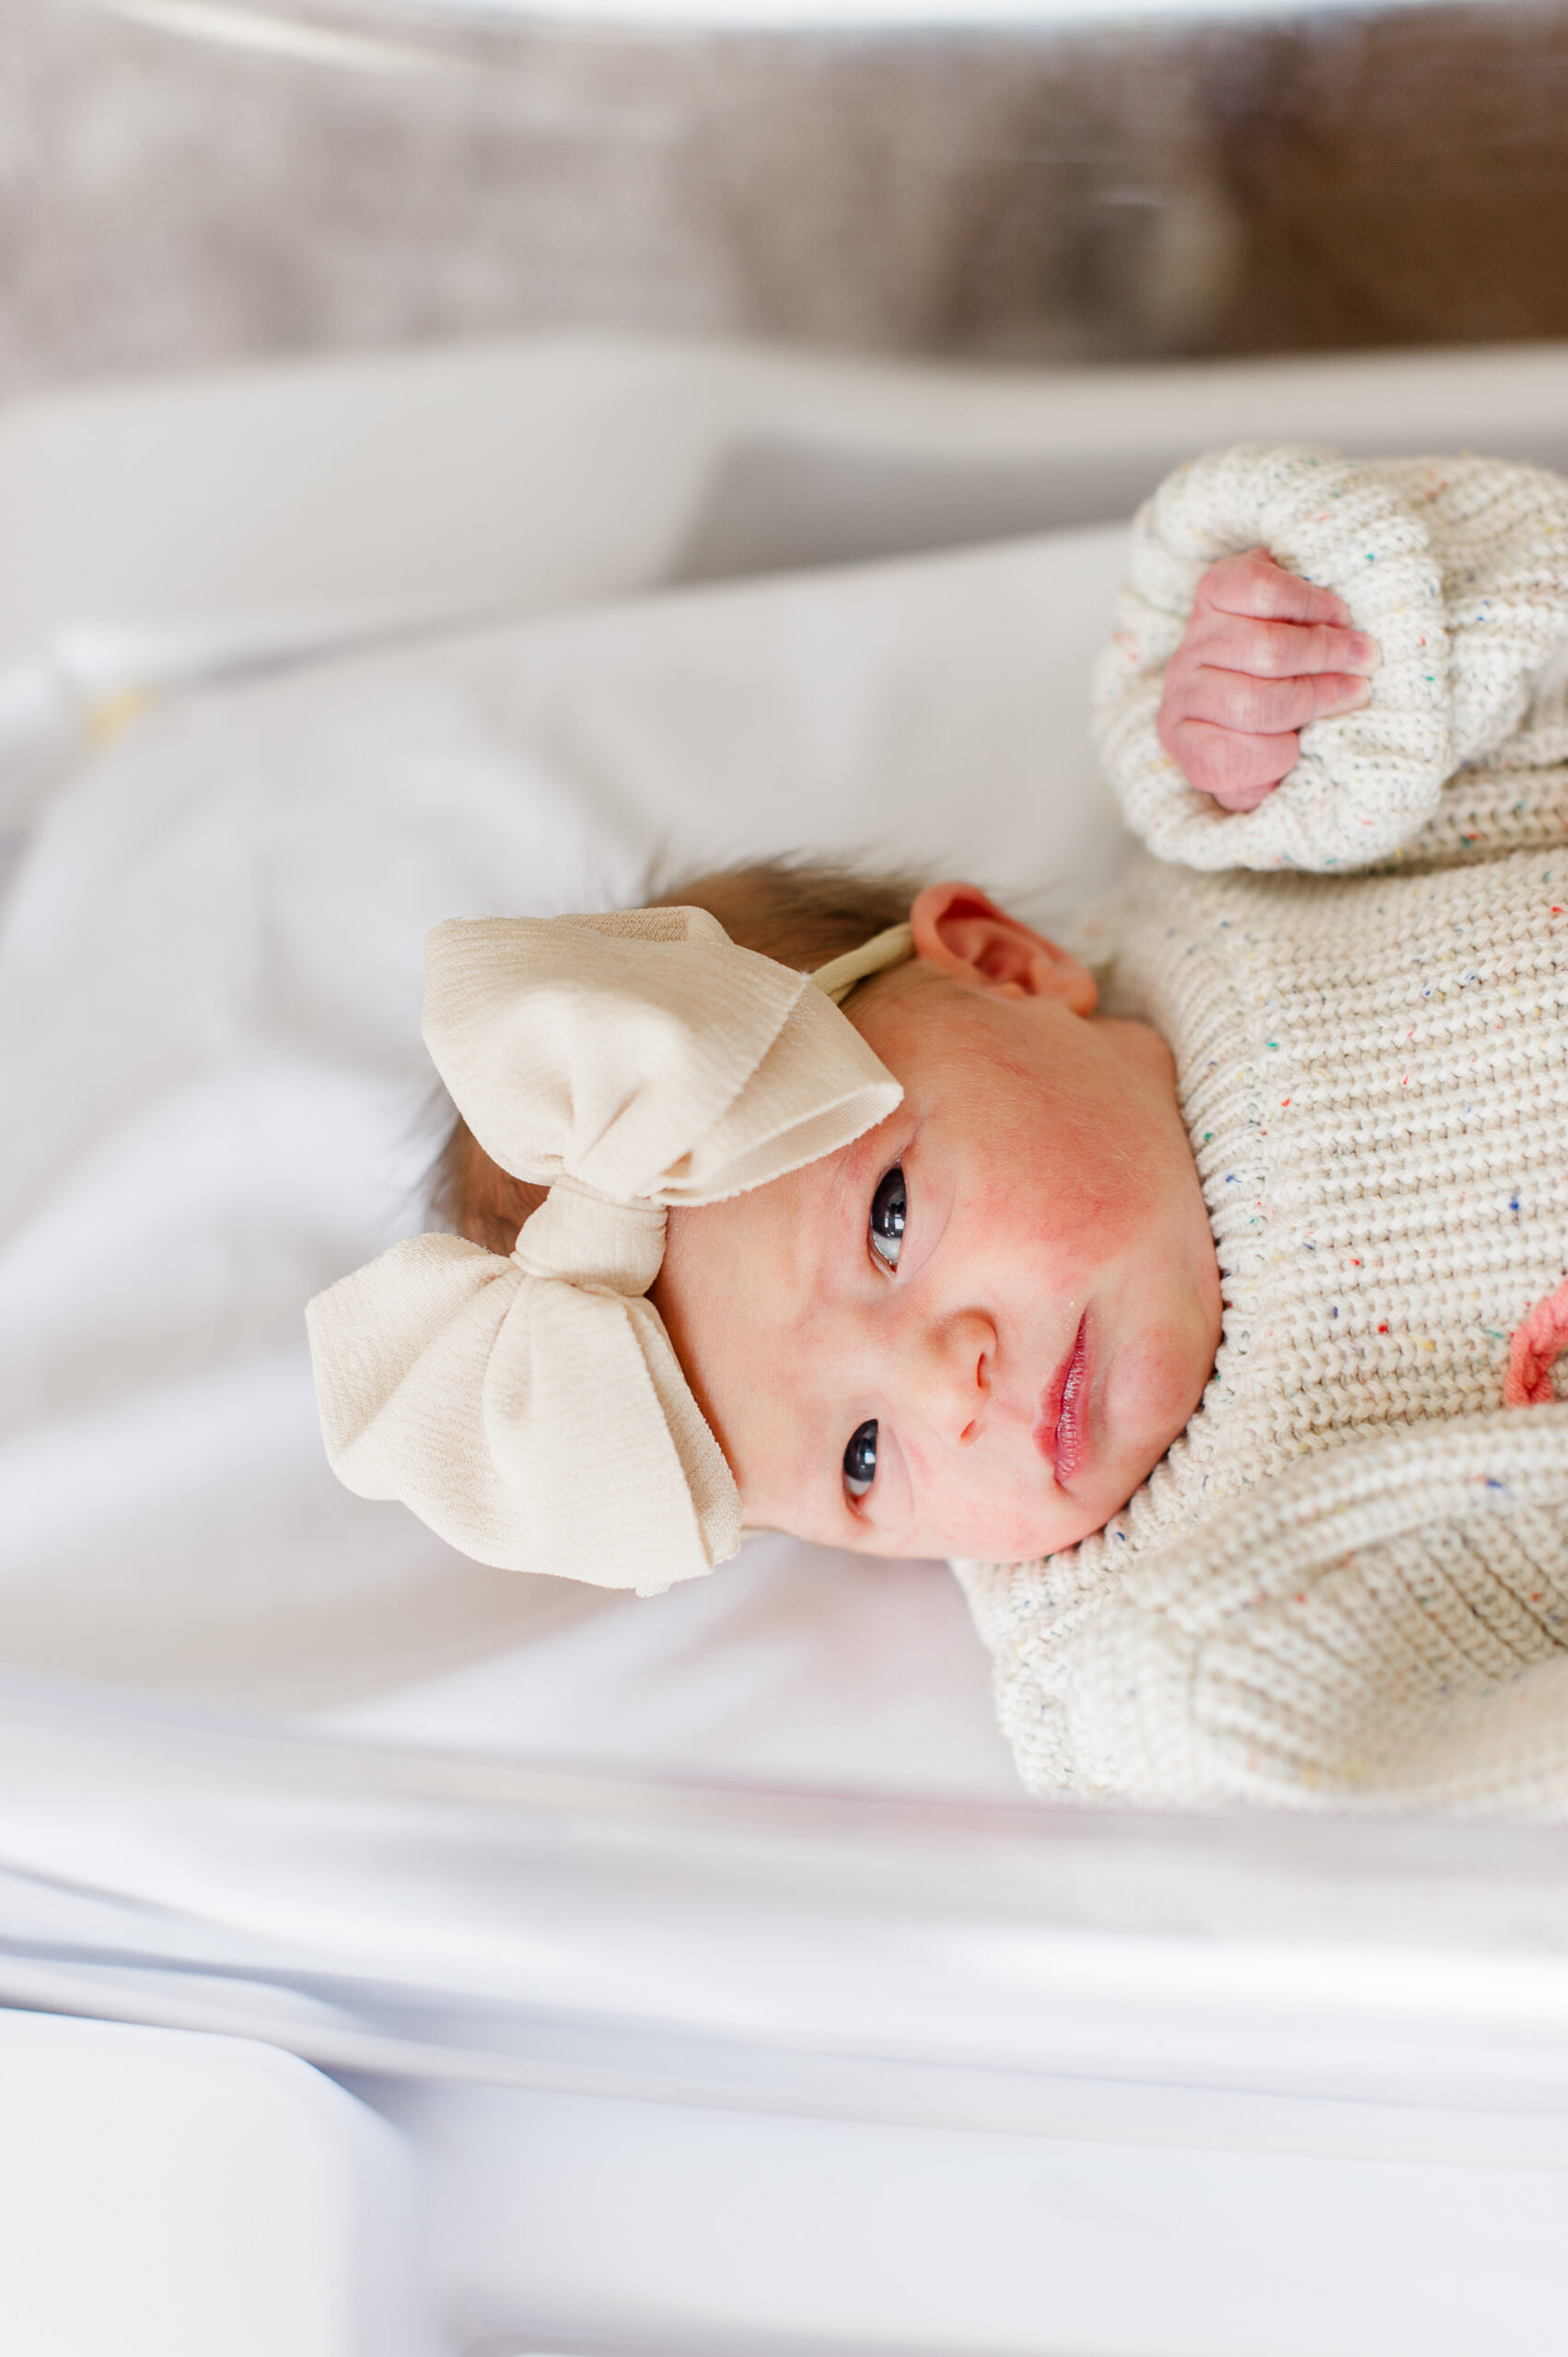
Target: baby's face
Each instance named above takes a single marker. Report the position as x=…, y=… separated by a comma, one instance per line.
x=976, y=1329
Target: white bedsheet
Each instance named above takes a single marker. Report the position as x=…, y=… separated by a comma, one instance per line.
x=217, y=1101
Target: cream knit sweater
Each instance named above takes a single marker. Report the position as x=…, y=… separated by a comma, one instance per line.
x=1348, y=1580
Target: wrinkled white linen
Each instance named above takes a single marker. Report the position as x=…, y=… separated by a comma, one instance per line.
x=217, y=1100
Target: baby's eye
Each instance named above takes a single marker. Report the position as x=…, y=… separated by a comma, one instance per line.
x=888, y=1210
x=859, y=1460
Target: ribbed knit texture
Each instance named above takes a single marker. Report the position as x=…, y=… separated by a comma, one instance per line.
x=1332, y=1584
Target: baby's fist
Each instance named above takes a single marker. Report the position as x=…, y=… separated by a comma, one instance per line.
x=1264, y=653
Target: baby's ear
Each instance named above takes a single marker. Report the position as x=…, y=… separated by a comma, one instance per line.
x=960, y=931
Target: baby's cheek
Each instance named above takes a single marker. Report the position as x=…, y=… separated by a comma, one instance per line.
x=1088, y=1181
x=1045, y=1191
x=1077, y=1223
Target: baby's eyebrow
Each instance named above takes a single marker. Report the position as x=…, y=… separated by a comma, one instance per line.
x=837, y=1228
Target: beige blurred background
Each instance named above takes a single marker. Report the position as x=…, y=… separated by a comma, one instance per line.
x=191, y=181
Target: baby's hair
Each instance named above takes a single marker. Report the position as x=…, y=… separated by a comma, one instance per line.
x=799, y=912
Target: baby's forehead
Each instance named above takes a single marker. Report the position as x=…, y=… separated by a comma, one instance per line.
x=913, y=1013
x=741, y=1296
x=757, y=1234
x=917, y=1021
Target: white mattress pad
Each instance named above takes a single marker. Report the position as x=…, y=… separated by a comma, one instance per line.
x=209, y=984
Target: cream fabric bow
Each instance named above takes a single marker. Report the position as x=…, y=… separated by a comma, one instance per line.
x=531, y=1409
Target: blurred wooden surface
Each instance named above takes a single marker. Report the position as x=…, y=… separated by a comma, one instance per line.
x=1331, y=181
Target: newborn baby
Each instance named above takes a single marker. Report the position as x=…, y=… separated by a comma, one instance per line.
x=1174, y=1295
x=1007, y=1295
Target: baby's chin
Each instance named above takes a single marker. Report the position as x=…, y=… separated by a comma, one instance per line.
x=1025, y=1532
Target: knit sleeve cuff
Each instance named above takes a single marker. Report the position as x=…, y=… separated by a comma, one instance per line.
x=1366, y=779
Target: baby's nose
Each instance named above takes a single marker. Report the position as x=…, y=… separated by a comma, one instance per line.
x=951, y=1376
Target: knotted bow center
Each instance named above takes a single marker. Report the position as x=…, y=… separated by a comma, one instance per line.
x=582, y=1237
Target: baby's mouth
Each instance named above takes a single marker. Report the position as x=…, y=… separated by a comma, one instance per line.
x=1059, y=1435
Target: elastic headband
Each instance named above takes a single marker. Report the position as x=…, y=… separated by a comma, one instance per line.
x=842, y=975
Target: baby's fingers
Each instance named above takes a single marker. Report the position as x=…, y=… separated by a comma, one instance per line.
x=1264, y=655
x=1253, y=584
x=1238, y=770
x=1267, y=707
x=1278, y=650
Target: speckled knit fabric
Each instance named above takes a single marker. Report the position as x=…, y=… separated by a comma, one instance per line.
x=1348, y=1580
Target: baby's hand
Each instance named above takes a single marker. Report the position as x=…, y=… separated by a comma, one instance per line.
x=1264, y=653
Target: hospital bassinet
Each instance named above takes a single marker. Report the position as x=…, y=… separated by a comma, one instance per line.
x=729, y=1997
